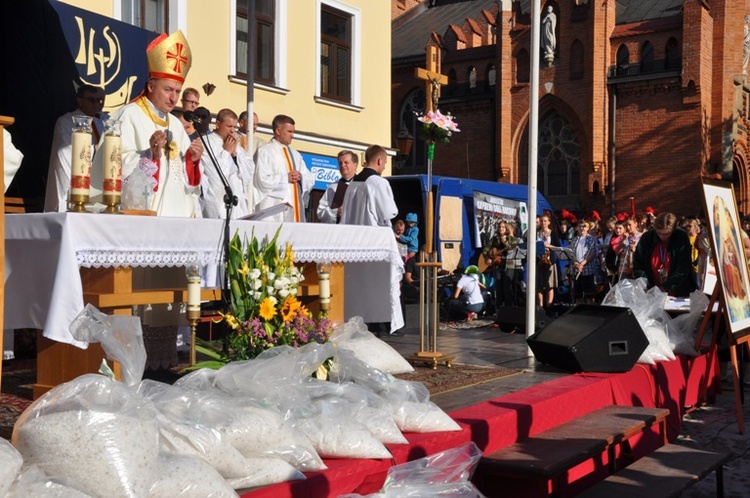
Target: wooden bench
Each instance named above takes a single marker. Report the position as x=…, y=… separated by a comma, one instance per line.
x=546, y=457
x=665, y=472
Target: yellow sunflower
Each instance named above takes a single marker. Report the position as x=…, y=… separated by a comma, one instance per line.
x=267, y=309
x=289, y=308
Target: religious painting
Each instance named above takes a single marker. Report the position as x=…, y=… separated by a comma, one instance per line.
x=728, y=252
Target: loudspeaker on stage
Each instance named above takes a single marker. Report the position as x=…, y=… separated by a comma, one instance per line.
x=510, y=318
x=591, y=338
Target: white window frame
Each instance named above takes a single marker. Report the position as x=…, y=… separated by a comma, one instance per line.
x=280, y=48
x=356, y=68
x=177, y=19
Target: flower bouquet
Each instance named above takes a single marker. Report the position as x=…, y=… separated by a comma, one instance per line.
x=264, y=310
x=437, y=128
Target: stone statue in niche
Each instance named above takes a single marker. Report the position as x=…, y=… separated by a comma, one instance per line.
x=492, y=76
x=549, y=42
x=473, y=78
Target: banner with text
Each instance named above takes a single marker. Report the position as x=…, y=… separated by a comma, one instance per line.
x=324, y=168
x=489, y=210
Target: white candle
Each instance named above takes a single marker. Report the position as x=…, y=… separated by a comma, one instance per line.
x=80, y=171
x=111, y=151
x=194, y=294
x=324, y=284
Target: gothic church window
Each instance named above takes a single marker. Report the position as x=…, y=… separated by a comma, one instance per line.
x=623, y=60
x=576, y=60
x=558, y=157
x=491, y=76
x=673, y=58
x=647, y=58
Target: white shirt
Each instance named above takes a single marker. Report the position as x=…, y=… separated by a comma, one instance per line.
x=12, y=158
x=369, y=203
x=470, y=286
x=239, y=175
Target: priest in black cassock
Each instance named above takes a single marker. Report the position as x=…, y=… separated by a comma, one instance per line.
x=330, y=205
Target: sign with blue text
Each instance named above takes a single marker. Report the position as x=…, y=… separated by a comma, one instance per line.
x=325, y=169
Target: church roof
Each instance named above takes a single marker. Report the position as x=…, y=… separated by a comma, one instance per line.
x=629, y=11
x=411, y=31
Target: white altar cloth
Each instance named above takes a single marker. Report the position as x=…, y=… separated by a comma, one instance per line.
x=43, y=253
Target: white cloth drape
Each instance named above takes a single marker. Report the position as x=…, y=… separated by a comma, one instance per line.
x=44, y=252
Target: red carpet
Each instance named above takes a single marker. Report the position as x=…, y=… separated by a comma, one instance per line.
x=499, y=422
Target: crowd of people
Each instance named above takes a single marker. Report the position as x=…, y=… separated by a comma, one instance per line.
x=671, y=253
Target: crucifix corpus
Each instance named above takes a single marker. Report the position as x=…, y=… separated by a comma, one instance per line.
x=432, y=77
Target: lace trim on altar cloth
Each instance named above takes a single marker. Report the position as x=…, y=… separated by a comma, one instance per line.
x=98, y=258
x=93, y=258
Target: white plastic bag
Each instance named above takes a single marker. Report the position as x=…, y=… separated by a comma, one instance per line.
x=33, y=482
x=97, y=432
x=10, y=465
x=444, y=474
x=188, y=477
x=354, y=336
x=121, y=338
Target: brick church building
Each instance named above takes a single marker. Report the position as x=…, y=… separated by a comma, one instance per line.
x=636, y=97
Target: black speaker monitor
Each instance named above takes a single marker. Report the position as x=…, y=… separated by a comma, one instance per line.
x=591, y=338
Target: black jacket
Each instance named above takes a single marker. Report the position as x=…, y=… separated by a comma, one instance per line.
x=681, y=280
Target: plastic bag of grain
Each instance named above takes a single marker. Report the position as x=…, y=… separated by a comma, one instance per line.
x=354, y=336
x=188, y=477
x=10, y=465
x=94, y=431
x=359, y=403
x=34, y=482
x=251, y=430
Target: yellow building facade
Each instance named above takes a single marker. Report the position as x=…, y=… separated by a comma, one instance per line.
x=355, y=116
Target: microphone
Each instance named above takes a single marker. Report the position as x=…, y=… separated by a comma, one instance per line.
x=192, y=117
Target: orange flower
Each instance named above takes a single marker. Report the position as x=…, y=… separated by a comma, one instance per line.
x=289, y=308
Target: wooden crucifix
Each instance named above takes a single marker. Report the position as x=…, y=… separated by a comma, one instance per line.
x=432, y=77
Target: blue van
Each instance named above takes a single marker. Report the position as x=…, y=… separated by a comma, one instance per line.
x=459, y=210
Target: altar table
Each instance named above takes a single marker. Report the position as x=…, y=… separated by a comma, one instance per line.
x=44, y=287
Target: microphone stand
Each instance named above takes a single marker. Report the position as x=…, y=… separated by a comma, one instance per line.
x=230, y=200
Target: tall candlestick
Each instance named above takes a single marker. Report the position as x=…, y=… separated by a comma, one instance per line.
x=80, y=162
x=193, y=274
x=111, y=151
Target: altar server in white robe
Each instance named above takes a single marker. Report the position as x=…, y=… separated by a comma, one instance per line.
x=155, y=141
x=236, y=165
x=281, y=175
x=331, y=204
x=90, y=103
x=369, y=198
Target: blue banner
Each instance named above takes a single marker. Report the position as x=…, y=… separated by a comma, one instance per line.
x=107, y=53
x=325, y=169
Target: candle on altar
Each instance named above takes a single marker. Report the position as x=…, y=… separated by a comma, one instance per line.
x=111, y=151
x=80, y=164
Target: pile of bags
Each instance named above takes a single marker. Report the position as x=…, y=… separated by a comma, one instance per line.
x=666, y=336
x=248, y=424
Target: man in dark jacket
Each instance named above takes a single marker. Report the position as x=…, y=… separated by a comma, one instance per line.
x=663, y=256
